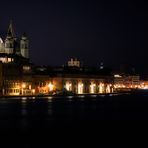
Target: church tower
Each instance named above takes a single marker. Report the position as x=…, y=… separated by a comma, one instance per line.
x=1, y=46
x=9, y=41
x=24, y=46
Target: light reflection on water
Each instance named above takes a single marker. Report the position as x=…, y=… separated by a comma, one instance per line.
x=33, y=97
x=81, y=99
x=29, y=110
x=50, y=99
x=41, y=121
x=24, y=99
x=24, y=104
x=102, y=95
x=93, y=96
x=69, y=97
x=23, y=120
x=50, y=109
x=93, y=99
x=110, y=94
x=81, y=96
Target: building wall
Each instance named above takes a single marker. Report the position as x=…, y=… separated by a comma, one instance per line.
x=21, y=80
x=83, y=85
x=47, y=85
x=1, y=46
x=1, y=77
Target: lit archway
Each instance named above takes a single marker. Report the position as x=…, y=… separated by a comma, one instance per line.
x=80, y=88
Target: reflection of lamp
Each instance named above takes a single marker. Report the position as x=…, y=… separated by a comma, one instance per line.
x=50, y=86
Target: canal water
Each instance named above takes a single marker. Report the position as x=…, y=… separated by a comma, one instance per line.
x=92, y=121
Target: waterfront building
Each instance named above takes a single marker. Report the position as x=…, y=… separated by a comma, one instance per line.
x=20, y=77
x=72, y=79
x=26, y=79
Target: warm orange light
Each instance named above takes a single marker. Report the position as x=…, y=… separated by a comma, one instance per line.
x=92, y=88
x=33, y=91
x=23, y=85
x=50, y=86
x=101, y=87
x=80, y=88
x=108, y=90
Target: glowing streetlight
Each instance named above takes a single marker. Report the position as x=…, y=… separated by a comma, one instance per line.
x=68, y=86
x=50, y=86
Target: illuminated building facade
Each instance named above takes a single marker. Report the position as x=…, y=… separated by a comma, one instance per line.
x=14, y=59
x=25, y=79
x=20, y=77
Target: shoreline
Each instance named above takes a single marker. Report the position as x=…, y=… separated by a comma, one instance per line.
x=75, y=95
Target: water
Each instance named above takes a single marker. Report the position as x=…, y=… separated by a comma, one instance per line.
x=92, y=121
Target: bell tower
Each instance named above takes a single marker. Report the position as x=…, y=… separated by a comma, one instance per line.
x=1, y=46
x=24, y=46
x=9, y=41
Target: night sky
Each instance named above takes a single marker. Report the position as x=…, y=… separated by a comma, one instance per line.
x=114, y=32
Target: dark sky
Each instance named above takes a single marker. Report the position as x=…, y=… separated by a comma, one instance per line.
x=114, y=32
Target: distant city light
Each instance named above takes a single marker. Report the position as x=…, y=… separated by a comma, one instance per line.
x=117, y=76
x=68, y=86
